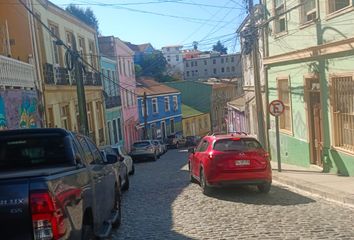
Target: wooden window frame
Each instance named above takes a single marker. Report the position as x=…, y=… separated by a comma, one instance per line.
x=167, y=103
x=285, y=130
x=154, y=101
x=333, y=13
x=304, y=14
x=277, y=20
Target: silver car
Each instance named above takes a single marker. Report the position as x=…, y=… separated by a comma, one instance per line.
x=144, y=149
x=120, y=150
x=159, y=147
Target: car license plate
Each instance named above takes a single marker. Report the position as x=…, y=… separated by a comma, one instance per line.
x=242, y=162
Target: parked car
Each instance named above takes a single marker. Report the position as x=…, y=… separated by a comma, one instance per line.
x=192, y=141
x=175, y=141
x=54, y=184
x=159, y=147
x=230, y=160
x=120, y=167
x=164, y=146
x=120, y=150
x=144, y=149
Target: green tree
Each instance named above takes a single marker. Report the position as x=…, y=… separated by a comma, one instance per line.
x=85, y=15
x=153, y=64
x=219, y=47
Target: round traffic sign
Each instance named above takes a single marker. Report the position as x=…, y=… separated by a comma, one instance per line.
x=276, y=108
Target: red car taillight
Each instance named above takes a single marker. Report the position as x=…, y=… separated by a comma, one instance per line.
x=47, y=218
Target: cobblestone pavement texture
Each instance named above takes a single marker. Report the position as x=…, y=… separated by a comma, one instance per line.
x=162, y=204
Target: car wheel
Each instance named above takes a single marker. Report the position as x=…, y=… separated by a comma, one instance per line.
x=205, y=188
x=191, y=178
x=126, y=184
x=264, y=188
x=117, y=206
x=133, y=170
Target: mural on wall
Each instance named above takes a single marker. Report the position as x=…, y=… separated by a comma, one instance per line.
x=18, y=109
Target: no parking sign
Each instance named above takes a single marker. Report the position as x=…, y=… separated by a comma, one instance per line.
x=276, y=108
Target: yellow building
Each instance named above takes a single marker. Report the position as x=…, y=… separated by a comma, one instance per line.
x=194, y=122
x=58, y=83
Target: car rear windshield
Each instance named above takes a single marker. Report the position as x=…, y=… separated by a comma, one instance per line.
x=31, y=152
x=141, y=144
x=237, y=144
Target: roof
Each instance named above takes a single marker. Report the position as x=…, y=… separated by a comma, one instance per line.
x=188, y=111
x=138, y=47
x=238, y=103
x=152, y=87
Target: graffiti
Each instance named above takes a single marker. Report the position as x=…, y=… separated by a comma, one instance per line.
x=3, y=124
x=28, y=111
x=18, y=109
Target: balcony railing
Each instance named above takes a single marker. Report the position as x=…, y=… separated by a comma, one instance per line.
x=62, y=76
x=14, y=73
x=113, y=101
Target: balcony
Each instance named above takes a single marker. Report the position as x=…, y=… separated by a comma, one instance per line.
x=62, y=76
x=14, y=73
x=113, y=101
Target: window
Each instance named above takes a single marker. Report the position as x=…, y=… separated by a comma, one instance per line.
x=205, y=62
x=222, y=69
x=227, y=59
x=308, y=11
x=284, y=96
x=222, y=60
x=56, y=48
x=142, y=109
x=187, y=64
x=115, y=131
x=65, y=117
x=177, y=58
x=81, y=47
x=175, y=103
x=172, y=125
x=232, y=59
x=92, y=53
x=237, y=145
x=232, y=69
x=203, y=146
x=50, y=117
x=214, y=70
x=187, y=73
x=154, y=106
x=336, y=5
x=167, y=104
x=168, y=58
x=280, y=21
x=120, y=134
x=69, y=38
x=227, y=69
x=214, y=61
x=192, y=64
x=343, y=112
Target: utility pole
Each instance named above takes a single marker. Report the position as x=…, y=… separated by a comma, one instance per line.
x=257, y=83
x=145, y=116
x=81, y=99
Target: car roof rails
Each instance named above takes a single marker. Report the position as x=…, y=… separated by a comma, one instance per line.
x=239, y=133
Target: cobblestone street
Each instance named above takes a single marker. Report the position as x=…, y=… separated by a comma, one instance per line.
x=162, y=204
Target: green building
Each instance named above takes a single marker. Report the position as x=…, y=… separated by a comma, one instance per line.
x=309, y=65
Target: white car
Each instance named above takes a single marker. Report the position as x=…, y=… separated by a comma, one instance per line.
x=119, y=149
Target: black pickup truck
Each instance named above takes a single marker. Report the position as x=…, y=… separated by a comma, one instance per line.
x=54, y=184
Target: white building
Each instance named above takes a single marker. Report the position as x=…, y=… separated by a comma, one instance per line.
x=174, y=58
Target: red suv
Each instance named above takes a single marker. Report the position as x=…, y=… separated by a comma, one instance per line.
x=230, y=160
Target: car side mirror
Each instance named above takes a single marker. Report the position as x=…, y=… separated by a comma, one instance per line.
x=191, y=150
x=111, y=158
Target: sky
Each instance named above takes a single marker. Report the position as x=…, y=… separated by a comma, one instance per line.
x=168, y=22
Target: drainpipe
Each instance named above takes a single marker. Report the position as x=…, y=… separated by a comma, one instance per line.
x=38, y=76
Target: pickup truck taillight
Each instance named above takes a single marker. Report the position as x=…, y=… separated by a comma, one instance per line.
x=47, y=217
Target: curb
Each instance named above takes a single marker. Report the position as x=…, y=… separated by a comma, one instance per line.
x=313, y=188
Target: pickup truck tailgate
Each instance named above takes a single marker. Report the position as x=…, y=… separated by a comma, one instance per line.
x=16, y=220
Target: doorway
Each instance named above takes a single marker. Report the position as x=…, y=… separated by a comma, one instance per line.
x=314, y=112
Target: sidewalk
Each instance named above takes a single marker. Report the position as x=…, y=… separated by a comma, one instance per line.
x=312, y=180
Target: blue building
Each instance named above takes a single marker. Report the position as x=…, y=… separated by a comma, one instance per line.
x=140, y=50
x=164, y=114
x=113, y=104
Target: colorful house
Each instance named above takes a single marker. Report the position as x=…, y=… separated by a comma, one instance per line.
x=140, y=50
x=116, y=49
x=194, y=122
x=163, y=106
x=236, y=118
x=20, y=104
x=113, y=103
x=310, y=68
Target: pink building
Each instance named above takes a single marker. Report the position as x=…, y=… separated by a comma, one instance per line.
x=113, y=47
